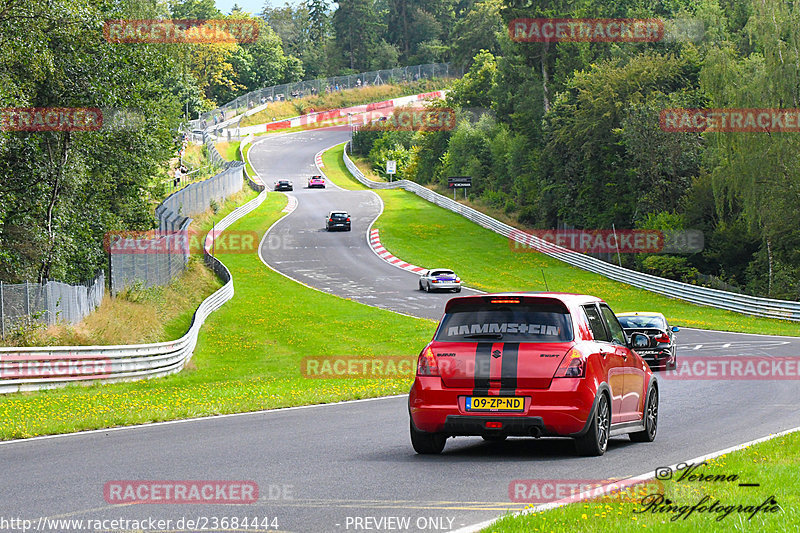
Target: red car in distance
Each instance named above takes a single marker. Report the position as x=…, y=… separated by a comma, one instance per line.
x=532, y=364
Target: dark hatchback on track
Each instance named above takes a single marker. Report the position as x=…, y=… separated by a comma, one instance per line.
x=532, y=364
x=337, y=220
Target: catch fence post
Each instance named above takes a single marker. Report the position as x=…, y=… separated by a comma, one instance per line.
x=2, y=312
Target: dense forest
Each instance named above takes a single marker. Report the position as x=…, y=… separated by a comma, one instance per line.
x=553, y=133
x=567, y=134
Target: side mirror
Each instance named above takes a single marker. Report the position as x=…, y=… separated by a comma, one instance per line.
x=640, y=340
x=675, y=329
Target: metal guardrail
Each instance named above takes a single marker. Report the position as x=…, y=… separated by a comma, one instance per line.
x=740, y=303
x=26, y=369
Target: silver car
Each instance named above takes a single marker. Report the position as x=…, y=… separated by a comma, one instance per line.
x=439, y=279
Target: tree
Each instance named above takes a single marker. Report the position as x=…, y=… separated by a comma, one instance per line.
x=358, y=32
x=62, y=191
x=194, y=9
x=291, y=24
x=478, y=30
x=318, y=21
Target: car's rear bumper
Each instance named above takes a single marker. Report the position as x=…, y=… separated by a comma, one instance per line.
x=446, y=285
x=561, y=409
x=658, y=357
x=339, y=226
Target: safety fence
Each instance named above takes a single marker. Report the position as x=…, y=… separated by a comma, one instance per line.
x=157, y=259
x=740, y=303
x=48, y=303
x=300, y=89
x=353, y=116
x=26, y=369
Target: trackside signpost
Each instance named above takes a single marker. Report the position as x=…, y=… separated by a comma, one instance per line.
x=459, y=182
x=391, y=168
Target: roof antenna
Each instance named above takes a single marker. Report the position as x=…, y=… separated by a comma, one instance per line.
x=545, y=282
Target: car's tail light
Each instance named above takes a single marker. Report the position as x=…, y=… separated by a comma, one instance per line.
x=458, y=279
x=348, y=219
x=661, y=338
x=573, y=365
x=435, y=281
x=505, y=300
x=427, y=365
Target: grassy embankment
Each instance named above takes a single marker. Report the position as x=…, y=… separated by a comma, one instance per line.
x=426, y=235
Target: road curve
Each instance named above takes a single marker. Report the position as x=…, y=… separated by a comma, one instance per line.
x=321, y=468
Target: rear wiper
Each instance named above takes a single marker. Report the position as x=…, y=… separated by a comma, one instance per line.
x=484, y=336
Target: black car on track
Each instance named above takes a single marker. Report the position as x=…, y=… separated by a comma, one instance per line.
x=337, y=220
x=661, y=353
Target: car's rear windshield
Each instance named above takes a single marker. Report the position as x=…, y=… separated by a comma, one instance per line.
x=338, y=215
x=442, y=273
x=508, y=323
x=640, y=321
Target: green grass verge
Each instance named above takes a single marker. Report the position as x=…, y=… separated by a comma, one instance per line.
x=771, y=464
x=426, y=235
x=248, y=356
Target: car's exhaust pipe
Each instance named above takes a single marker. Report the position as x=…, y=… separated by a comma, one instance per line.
x=536, y=432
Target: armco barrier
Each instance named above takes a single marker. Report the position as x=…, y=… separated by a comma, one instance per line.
x=25, y=369
x=740, y=303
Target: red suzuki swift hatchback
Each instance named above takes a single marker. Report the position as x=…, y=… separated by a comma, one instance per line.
x=532, y=364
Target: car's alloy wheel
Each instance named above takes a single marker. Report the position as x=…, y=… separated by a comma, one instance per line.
x=426, y=443
x=427, y=287
x=650, y=419
x=595, y=440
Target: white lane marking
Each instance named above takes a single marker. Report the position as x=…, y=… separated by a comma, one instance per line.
x=614, y=486
x=741, y=333
x=697, y=347
x=728, y=345
x=198, y=419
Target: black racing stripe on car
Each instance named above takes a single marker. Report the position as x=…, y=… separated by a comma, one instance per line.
x=508, y=369
x=483, y=357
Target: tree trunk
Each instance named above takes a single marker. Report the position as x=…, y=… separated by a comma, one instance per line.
x=545, y=79
x=56, y=170
x=769, y=262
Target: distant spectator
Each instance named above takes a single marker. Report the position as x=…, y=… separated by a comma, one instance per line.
x=358, y=82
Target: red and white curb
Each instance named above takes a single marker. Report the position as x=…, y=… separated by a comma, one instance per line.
x=291, y=205
x=383, y=253
x=318, y=160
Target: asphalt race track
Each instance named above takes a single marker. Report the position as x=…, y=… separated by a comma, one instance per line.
x=329, y=468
